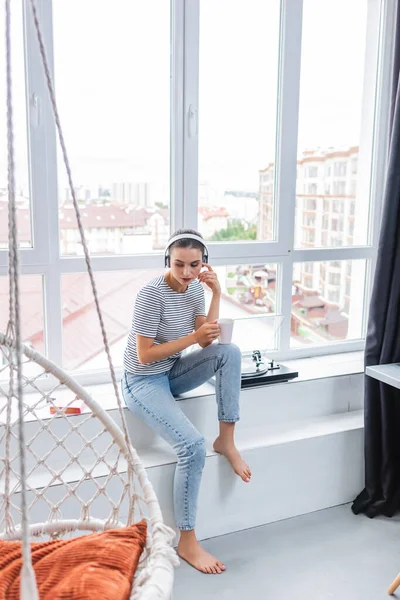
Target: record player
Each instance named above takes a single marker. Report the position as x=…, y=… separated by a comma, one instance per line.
x=257, y=368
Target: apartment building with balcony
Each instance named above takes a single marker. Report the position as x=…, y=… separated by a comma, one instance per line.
x=326, y=187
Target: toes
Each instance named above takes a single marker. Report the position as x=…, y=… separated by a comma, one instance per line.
x=245, y=476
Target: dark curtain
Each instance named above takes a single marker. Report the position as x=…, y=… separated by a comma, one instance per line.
x=381, y=495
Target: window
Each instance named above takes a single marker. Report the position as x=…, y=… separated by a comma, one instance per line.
x=181, y=121
x=20, y=134
x=32, y=315
x=309, y=220
x=337, y=206
x=246, y=289
x=311, y=204
x=122, y=162
x=248, y=58
x=340, y=169
x=313, y=171
x=253, y=287
x=117, y=291
x=333, y=295
x=308, y=267
x=334, y=278
x=309, y=236
x=331, y=103
x=339, y=188
x=318, y=315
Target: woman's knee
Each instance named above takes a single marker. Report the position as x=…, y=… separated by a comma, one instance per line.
x=234, y=350
x=193, y=453
x=230, y=352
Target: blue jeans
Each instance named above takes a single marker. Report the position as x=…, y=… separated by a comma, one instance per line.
x=151, y=399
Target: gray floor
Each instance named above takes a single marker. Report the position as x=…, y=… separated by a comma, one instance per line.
x=324, y=555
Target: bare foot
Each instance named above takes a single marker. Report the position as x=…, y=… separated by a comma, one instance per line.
x=191, y=551
x=230, y=452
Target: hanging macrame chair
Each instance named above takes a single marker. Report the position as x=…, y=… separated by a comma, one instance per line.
x=88, y=478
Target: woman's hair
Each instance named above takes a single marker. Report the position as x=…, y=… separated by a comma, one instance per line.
x=187, y=243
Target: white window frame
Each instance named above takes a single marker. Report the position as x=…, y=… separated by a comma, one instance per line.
x=44, y=259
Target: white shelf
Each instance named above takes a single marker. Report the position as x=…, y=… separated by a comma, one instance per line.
x=389, y=374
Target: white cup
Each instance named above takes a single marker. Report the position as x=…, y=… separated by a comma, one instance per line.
x=226, y=328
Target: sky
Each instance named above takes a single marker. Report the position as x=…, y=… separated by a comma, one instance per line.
x=112, y=71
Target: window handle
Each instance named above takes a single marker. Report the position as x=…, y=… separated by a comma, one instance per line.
x=193, y=116
x=35, y=104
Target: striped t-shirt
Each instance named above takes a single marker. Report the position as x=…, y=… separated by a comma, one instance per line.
x=164, y=315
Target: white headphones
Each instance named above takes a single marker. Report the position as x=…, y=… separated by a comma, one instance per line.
x=185, y=236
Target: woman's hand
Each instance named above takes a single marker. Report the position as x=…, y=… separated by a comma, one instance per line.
x=210, y=278
x=207, y=333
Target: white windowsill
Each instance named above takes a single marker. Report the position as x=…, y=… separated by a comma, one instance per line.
x=332, y=365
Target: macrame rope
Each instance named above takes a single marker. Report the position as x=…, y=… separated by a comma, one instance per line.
x=28, y=582
x=10, y=330
x=50, y=87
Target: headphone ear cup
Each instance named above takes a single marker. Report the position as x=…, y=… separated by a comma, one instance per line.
x=167, y=261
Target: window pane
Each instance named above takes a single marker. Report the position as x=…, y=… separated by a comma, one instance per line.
x=247, y=290
x=113, y=89
x=32, y=322
x=20, y=133
x=327, y=302
x=249, y=297
x=117, y=291
x=330, y=120
x=239, y=45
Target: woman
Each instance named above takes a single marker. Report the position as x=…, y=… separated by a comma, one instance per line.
x=169, y=316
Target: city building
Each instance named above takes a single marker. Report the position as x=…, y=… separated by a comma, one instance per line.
x=325, y=215
x=135, y=193
x=114, y=229
x=212, y=219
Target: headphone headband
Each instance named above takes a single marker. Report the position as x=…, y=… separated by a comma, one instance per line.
x=186, y=236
